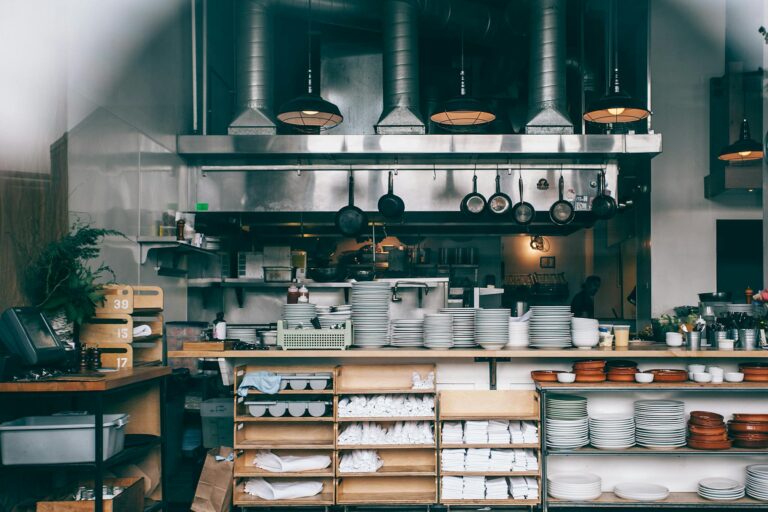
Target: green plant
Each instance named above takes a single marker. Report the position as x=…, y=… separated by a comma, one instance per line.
x=59, y=277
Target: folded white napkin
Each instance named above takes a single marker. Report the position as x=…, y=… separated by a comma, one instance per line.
x=142, y=331
x=290, y=463
x=360, y=461
x=282, y=490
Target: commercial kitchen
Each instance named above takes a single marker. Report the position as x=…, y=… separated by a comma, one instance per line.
x=348, y=255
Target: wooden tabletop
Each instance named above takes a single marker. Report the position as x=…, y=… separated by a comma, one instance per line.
x=111, y=380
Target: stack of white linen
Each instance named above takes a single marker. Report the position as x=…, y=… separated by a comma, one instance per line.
x=476, y=432
x=498, y=432
x=360, y=461
x=269, y=461
x=474, y=488
x=452, y=487
x=496, y=489
x=452, y=459
x=525, y=460
x=502, y=460
x=401, y=432
x=478, y=459
x=426, y=383
x=452, y=432
x=523, y=487
x=282, y=489
x=530, y=432
x=382, y=406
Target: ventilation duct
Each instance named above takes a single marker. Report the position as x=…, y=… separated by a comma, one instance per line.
x=401, y=113
x=480, y=23
x=546, y=104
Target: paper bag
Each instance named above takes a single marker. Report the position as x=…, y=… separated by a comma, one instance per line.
x=214, y=489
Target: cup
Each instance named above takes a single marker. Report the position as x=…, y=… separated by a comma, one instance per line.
x=715, y=370
x=674, y=339
x=693, y=339
x=606, y=328
x=621, y=335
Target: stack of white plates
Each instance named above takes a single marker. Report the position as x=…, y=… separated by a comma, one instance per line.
x=463, y=326
x=574, y=486
x=331, y=319
x=299, y=316
x=438, y=331
x=612, y=431
x=720, y=489
x=408, y=333
x=567, y=422
x=244, y=333
x=757, y=481
x=660, y=424
x=370, y=313
x=636, y=491
x=518, y=334
x=584, y=333
x=550, y=327
x=492, y=328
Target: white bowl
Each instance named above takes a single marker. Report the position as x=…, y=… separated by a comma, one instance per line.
x=702, y=377
x=644, y=378
x=697, y=368
x=734, y=377
x=675, y=342
x=585, y=343
x=726, y=344
x=566, y=378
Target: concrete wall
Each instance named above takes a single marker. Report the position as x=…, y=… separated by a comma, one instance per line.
x=688, y=48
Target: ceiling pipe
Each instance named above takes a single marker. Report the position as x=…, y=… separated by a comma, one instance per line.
x=481, y=24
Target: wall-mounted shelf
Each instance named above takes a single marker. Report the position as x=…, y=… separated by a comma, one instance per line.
x=149, y=244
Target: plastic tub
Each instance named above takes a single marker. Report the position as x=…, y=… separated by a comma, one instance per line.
x=278, y=409
x=317, y=409
x=297, y=409
x=59, y=439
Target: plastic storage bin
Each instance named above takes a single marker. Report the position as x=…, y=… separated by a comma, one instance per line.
x=217, y=415
x=59, y=439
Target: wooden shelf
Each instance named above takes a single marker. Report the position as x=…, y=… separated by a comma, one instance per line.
x=242, y=499
x=385, y=446
x=534, y=446
x=283, y=419
x=460, y=405
x=108, y=381
x=394, y=471
x=696, y=386
x=379, y=419
x=675, y=452
x=253, y=392
x=250, y=445
x=490, y=473
x=386, y=498
x=379, y=391
x=608, y=499
x=389, y=379
x=486, y=416
x=325, y=473
x=509, y=502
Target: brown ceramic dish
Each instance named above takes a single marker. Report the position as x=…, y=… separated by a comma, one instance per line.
x=623, y=371
x=753, y=418
x=745, y=443
x=719, y=437
x=591, y=364
x=705, y=431
x=621, y=377
x=665, y=375
x=581, y=377
x=545, y=375
x=709, y=445
x=620, y=363
x=748, y=428
x=707, y=416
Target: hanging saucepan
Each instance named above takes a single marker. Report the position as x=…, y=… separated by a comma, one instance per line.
x=473, y=203
x=390, y=205
x=561, y=212
x=499, y=203
x=351, y=220
x=523, y=212
x=603, y=205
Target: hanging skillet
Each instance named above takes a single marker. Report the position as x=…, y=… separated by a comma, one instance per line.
x=390, y=205
x=473, y=203
x=603, y=205
x=561, y=212
x=499, y=203
x=523, y=212
x=351, y=220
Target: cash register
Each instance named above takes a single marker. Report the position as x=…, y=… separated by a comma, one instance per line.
x=29, y=340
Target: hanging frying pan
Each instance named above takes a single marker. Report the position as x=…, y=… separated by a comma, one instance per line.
x=603, y=205
x=351, y=220
x=473, y=203
x=523, y=212
x=499, y=203
x=561, y=212
x=390, y=205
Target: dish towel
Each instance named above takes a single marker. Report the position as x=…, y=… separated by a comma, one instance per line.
x=360, y=461
x=453, y=433
x=142, y=331
x=266, y=382
x=478, y=459
x=474, y=488
x=401, y=432
x=496, y=489
x=281, y=490
x=290, y=463
x=498, y=432
x=476, y=432
x=452, y=459
x=452, y=488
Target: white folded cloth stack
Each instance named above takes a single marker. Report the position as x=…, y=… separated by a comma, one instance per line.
x=525, y=460
x=452, y=487
x=360, y=461
x=452, y=459
x=382, y=406
x=401, y=432
x=476, y=432
x=474, y=488
x=498, y=432
x=523, y=487
x=290, y=463
x=452, y=432
x=502, y=460
x=496, y=489
x=426, y=383
x=478, y=459
x=523, y=432
x=281, y=489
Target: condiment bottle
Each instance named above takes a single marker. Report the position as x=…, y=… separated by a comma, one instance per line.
x=303, y=294
x=219, y=327
x=293, y=294
x=748, y=293
x=180, y=222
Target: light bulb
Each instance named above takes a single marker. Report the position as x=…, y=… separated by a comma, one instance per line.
x=310, y=112
x=616, y=111
x=745, y=153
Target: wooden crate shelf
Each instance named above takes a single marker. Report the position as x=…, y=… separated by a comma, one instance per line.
x=490, y=473
x=528, y=446
x=393, y=490
x=384, y=446
x=378, y=391
x=292, y=392
x=402, y=462
x=488, y=405
x=284, y=419
x=377, y=419
x=282, y=434
x=242, y=499
x=394, y=471
x=261, y=445
x=509, y=503
x=387, y=379
x=244, y=466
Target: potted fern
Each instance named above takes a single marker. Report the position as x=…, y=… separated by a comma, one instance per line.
x=61, y=281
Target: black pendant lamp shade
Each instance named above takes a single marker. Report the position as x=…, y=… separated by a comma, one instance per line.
x=616, y=106
x=744, y=149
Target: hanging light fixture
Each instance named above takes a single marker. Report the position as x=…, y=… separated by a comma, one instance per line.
x=616, y=106
x=310, y=111
x=463, y=111
x=743, y=150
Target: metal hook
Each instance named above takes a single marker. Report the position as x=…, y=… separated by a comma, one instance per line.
x=434, y=173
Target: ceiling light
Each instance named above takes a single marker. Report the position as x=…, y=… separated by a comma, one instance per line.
x=743, y=150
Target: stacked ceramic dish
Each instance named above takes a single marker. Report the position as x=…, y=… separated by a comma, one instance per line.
x=757, y=481
x=567, y=421
x=492, y=328
x=660, y=424
x=299, y=316
x=408, y=333
x=584, y=333
x=370, y=313
x=637, y=491
x=720, y=489
x=243, y=333
x=463, y=326
x=518, y=333
x=331, y=317
x=612, y=431
x=574, y=486
x=438, y=331
x=550, y=327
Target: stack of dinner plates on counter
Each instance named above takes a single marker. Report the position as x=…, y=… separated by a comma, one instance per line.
x=567, y=422
x=408, y=333
x=492, y=328
x=574, y=486
x=518, y=333
x=638, y=491
x=243, y=332
x=463, y=326
x=370, y=313
x=660, y=424
x=438, y=331
x=333, y=316
x=757, y=481
x=612, y=431
x=550, y=327
x=720, y=489
x=299, y=316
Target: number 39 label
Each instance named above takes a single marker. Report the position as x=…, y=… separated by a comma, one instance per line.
x=121, y=304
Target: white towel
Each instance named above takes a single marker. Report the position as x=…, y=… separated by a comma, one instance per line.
x=452, y=487
x=452, y=433
x=476, y=432
x=401, y=432
x=290, y=463
x=496, y=489
x=452, y=459
x=474, y=488
x=142, y=331
x=360, y=461
x=282, y=490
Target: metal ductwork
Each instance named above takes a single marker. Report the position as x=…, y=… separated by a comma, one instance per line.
x=480, y=23
x=401, y=113
x=546, y=104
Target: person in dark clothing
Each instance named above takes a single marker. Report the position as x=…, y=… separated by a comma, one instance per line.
x=583, y=303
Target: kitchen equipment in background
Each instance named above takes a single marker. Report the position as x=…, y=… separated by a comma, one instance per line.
x=715, y=297
x=561, y=212
x=324, y=274
x=391, y=206
x=398, y=262
x=499, y=203
x=466, y=255
x=250, y=265
x=520, y=308
x=523, y=212
x=277, y=274
x=351, y=220
x=603, y=205
x=473, y=203
x=277, y=256
x=299, y=262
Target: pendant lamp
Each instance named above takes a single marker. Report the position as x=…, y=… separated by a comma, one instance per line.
x=463, y=111
x=616, y=106
x=310, y=112
x=743, y=150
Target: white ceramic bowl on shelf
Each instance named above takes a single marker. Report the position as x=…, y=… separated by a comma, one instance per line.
x=702, y=377
x=566, y=378
x=734, y=377
x=644, y=378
